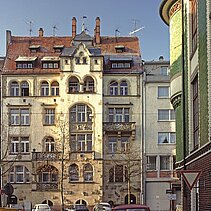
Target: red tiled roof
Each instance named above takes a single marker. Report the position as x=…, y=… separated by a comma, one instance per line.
x=131, y=44
x=19, y=46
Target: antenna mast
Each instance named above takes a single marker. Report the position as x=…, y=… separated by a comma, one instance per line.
x=54, y=30
x=30, y=23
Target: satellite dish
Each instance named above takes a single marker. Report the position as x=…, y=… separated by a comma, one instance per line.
x=133, y=32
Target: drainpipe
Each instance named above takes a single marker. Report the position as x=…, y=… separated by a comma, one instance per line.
x=143, y=136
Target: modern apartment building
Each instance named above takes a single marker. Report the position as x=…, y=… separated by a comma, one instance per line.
x=190, y=63
x=71, y=117
x=159, y=137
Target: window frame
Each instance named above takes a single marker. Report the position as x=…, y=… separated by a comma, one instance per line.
x=19, y=118
x=49, y=116
x=168, y=113
x=169, y=136
x=162, y=92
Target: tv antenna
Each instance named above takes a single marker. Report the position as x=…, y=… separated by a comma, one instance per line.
x=29, y=23
x=117, y=32
x=54, y=30
x=83, y=24
x=136, y=30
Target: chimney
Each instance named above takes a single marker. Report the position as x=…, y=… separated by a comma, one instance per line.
x=41, y=32
x=73, y=27
x=161, y=58
x=97, y=31
x=8, y=37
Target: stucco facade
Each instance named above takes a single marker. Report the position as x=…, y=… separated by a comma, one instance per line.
x=71, y=115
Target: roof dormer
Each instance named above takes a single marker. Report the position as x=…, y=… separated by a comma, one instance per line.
x=120, y=48
x=34, y=48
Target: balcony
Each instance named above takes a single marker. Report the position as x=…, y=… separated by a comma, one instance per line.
x=119, y=126
x=46, y=156
x=46, y=186
x=83, y=126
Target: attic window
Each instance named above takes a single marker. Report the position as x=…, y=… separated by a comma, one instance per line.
x=34, y=48
x=23, y=62
x=49, y=62
x=120, y=49
x=58, y=48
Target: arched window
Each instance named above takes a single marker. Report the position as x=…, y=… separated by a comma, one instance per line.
x=89, y=84
x=19, y=174
x=113, y=88
x=88, y=173
x=73, y=85
x=14, y=89
x=44, y=88
x=123, y=88
x=24, y=88
x=74, y=173
x=48, y=174
x=49, y=144
x=55, y=88
x=81, y=201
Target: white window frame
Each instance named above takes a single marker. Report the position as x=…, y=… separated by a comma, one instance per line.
x=166, y=115
x=166, y=138
x=22, y=176
x=165, y=163
x=44, y=88
x=49, y=117
x=152, y=163
x=112, y=144
x=14, y=89
x=19, y=118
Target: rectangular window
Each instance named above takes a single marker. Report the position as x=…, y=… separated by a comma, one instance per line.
x=81, y=142
x=166, y=138
x=164, y=70
x=163, y=92
x=112, y=144
x=118, y=114
x=19, y=116
x=50, y=65
x=166, y=115
x=19, y=145
x=125, y=143
x=164, y=163
x=49, y=118
x=195, y=112
x=151, y=163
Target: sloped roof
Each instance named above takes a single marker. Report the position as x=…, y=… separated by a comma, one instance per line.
x=20, y=46
x=83, y=36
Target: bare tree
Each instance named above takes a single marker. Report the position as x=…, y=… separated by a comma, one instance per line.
x=62, y=133
x=129, y=156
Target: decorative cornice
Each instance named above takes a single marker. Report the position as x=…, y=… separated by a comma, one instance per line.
x=176, y=100
x=177, y=6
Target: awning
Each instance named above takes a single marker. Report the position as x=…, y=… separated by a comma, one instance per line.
x=50, y=58
x=26, y=58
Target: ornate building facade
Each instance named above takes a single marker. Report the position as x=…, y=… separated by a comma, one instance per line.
x=71, y=119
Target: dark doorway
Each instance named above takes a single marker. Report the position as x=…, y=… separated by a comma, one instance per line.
x=132, y=199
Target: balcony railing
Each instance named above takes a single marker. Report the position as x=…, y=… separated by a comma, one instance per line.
x=83, y=126
x=47, y=186
x=50, y=156
x=119, y=126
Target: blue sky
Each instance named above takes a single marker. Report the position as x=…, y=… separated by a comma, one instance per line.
x=121, y=15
